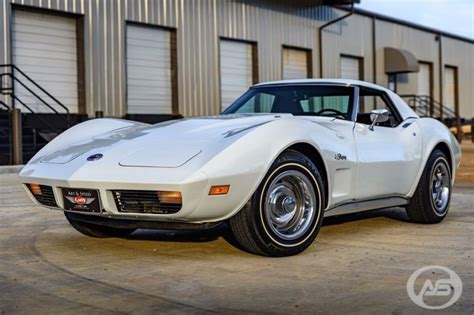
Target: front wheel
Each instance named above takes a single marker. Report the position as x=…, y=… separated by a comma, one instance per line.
x=430, y=203
x=95, y=230
x=285, y=213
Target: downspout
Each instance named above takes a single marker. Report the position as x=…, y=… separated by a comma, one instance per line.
x=321, y=37
x=441, y=73
x=374, y=51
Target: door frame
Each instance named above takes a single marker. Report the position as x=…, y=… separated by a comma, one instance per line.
x=80, y=45
x=360, y=59
x=456, y=87
x=255, y=74
x=309, y=59
x=431, y=82
x=173, y=63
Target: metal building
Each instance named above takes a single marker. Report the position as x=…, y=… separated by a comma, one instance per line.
x=143, y=59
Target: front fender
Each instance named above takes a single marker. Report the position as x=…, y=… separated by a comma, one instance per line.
x=244, y=164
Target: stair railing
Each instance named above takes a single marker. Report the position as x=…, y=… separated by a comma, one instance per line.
x=11, y=71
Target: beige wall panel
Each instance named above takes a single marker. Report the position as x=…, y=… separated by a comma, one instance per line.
x=461, y=54
x=423, y=45
x=351, y=36
x=199, y=25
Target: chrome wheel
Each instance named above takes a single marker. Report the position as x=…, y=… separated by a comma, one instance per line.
x=440, y=187
x=290, y=205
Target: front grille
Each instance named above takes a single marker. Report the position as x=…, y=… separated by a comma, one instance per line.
x=143, y=201
x=46, y=197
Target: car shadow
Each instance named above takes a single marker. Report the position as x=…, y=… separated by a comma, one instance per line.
x=223, y=230
x=398, y=214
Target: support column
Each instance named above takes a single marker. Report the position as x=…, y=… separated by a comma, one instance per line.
x=17, y=141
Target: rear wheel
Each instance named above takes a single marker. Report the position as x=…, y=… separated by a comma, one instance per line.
x=284, y=215
x=430, y=203
x=95, y=230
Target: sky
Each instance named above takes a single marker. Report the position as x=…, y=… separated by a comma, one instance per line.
x=451, y=16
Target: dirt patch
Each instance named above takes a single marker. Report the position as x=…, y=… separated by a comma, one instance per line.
x=465, y=172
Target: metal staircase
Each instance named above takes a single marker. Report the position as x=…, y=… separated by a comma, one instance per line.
x=38, y=127
x=426, y=106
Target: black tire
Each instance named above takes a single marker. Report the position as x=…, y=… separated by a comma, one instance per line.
x=251, y=227
x=422, y=208
x=95, y=230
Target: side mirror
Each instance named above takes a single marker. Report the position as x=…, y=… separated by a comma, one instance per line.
x=378, y=116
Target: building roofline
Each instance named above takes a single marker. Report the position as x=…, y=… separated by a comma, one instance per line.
x=410, y=24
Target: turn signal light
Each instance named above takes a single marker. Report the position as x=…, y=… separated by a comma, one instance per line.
x=35, y=189
x=170, y=197
x=219, y=190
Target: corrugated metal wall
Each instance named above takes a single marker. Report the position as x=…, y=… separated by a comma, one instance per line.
x=199, y=25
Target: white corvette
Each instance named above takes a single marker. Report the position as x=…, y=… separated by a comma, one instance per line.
x=278, y=160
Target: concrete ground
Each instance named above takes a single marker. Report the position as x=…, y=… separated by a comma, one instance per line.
x=358, y=264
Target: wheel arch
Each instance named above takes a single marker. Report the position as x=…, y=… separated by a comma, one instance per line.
x=443, y=147
x=315, y=156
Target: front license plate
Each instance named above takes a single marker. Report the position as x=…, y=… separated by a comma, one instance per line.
x=85, y=200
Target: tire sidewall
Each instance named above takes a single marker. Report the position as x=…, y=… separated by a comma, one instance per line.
x=289, y=161
x=436, y=159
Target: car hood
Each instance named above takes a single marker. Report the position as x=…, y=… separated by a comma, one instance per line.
x=169, y=144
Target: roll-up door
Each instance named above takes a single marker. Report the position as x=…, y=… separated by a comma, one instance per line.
x=424, y=79
x=350, y=68
x=149, y=79
x=45, y=48
x=450, y=88
x=295, y=64
x=236, y=70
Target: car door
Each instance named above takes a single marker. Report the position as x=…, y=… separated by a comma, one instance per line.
x=389, y=155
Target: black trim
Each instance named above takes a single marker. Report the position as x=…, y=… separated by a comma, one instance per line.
x=367, y=205
x=138, y=223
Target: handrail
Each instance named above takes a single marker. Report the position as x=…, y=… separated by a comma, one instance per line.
x=11, y=92
x=33, y=93
x=35, y=84
x=2, y=104
x=427, y=103
x=36, y=114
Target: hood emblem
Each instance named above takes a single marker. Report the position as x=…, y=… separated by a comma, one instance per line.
x=95, y=157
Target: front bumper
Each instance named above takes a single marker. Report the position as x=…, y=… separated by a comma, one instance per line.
x=197, y=205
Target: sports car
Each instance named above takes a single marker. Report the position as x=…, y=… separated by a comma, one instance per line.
x=277, y=161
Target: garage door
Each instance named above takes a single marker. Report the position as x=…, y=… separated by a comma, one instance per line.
x=149, y=87
x=450, y=87
x=295, y=64
x=45, y=48
x=236, y=70
x=350, y=68
x=424, y=79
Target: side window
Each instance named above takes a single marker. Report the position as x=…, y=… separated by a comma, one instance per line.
x=373, y=99
x=318, y=103
x=259, y=103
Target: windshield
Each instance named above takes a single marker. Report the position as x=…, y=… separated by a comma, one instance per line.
x=314, y=100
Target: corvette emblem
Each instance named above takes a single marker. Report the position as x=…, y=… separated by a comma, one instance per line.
x=95, y=157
